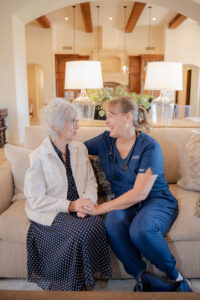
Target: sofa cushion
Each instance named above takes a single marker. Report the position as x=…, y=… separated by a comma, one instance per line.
x=190, y=179
x=19, y=160
x=6, y=186
x=104, y=187
x=187, y=225
x=14, y=223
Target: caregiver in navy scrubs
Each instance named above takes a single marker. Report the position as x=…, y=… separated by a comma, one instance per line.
x=143, y=209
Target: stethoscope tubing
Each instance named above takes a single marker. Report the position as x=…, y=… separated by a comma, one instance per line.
x=124, y=166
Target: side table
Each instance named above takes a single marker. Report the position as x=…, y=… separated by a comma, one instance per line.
x=3, y=127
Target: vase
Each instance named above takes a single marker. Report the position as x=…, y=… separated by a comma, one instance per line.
x=96, y=114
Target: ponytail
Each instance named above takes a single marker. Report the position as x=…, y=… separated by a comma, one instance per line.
x=143, y=118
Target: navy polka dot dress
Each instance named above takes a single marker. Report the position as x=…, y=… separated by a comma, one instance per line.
x=65, y=255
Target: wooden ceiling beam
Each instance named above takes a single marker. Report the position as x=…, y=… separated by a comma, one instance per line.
x=44, y=22
x=86, y=13
x=176, y=21
x=134, y=16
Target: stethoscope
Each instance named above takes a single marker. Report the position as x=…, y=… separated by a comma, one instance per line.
x=111, y=157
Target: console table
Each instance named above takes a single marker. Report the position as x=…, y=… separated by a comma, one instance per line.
x=3, y=127
x=180, y=123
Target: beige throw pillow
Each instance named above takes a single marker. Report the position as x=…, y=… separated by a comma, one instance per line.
x=191, y=164
x=18, y=157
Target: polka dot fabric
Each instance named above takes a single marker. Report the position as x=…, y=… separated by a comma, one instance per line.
x=65, y=255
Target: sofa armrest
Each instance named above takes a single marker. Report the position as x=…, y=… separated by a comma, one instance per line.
x=6, y=186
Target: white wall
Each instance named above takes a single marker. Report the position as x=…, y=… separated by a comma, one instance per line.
x=195, y=89
x=13, y=74
x=112, y=38
x=20, y=78
x=39, y=51
x=183, y=45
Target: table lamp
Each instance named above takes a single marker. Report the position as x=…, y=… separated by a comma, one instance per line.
x=83, y=75
x=164, y=76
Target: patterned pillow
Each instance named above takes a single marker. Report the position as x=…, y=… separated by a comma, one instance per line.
x=104, y=187
x=191, y=164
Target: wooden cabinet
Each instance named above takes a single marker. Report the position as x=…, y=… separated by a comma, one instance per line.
x=134, y=75
x=60, y=60
x=137, y=67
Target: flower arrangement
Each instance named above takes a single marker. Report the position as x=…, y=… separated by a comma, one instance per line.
x=99, y=96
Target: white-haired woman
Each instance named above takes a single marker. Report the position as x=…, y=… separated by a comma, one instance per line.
x=64, y=247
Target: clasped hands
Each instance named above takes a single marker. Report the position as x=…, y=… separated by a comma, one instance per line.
x=82, y=206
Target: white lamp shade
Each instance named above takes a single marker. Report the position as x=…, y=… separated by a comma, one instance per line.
x=164, y=76
x=83, y=75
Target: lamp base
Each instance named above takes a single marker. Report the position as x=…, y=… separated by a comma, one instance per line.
x=85, y=107
x=162, y=109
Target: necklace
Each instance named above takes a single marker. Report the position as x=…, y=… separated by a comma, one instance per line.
x=122, y=155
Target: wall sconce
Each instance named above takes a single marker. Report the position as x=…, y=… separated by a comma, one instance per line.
x=83, y=75
x=164, y=76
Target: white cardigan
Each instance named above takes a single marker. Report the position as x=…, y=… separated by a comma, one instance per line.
x=45, y=185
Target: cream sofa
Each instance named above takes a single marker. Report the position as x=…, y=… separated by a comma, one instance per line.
x=183, y=238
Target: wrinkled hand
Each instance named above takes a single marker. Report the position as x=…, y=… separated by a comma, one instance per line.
x=95, y=212
x=81, y=202
x=81, y=214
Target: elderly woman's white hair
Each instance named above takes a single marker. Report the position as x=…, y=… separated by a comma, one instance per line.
x=54, y=115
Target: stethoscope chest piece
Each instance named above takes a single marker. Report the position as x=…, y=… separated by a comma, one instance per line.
x=124, y=167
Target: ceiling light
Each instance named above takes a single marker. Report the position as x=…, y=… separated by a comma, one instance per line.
x=110, y=19
x=66, y=18
x=154, y=19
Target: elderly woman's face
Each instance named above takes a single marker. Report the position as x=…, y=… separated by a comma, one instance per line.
x=69, y=131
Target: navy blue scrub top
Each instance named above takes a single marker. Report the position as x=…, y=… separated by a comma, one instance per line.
x=146, y=154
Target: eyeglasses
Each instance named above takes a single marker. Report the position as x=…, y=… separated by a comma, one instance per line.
x=73, y=121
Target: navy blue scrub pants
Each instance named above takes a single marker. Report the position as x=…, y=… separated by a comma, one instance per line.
x=140, y=229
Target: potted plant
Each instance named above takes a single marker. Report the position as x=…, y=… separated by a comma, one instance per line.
x=99, y=96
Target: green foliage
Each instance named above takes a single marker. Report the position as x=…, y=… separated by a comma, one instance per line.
x=99, y=96
x=120, y=91
x=141, y=99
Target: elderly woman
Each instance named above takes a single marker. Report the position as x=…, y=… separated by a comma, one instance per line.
x=143, y=209
x=65, y=248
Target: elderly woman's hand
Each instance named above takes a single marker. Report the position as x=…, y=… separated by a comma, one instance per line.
x=81, y=214
x=95, y=212
x=79, y=203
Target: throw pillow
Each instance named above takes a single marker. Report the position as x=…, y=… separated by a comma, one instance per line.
x=18, y=157
x=191, y=164
x=104, y=187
